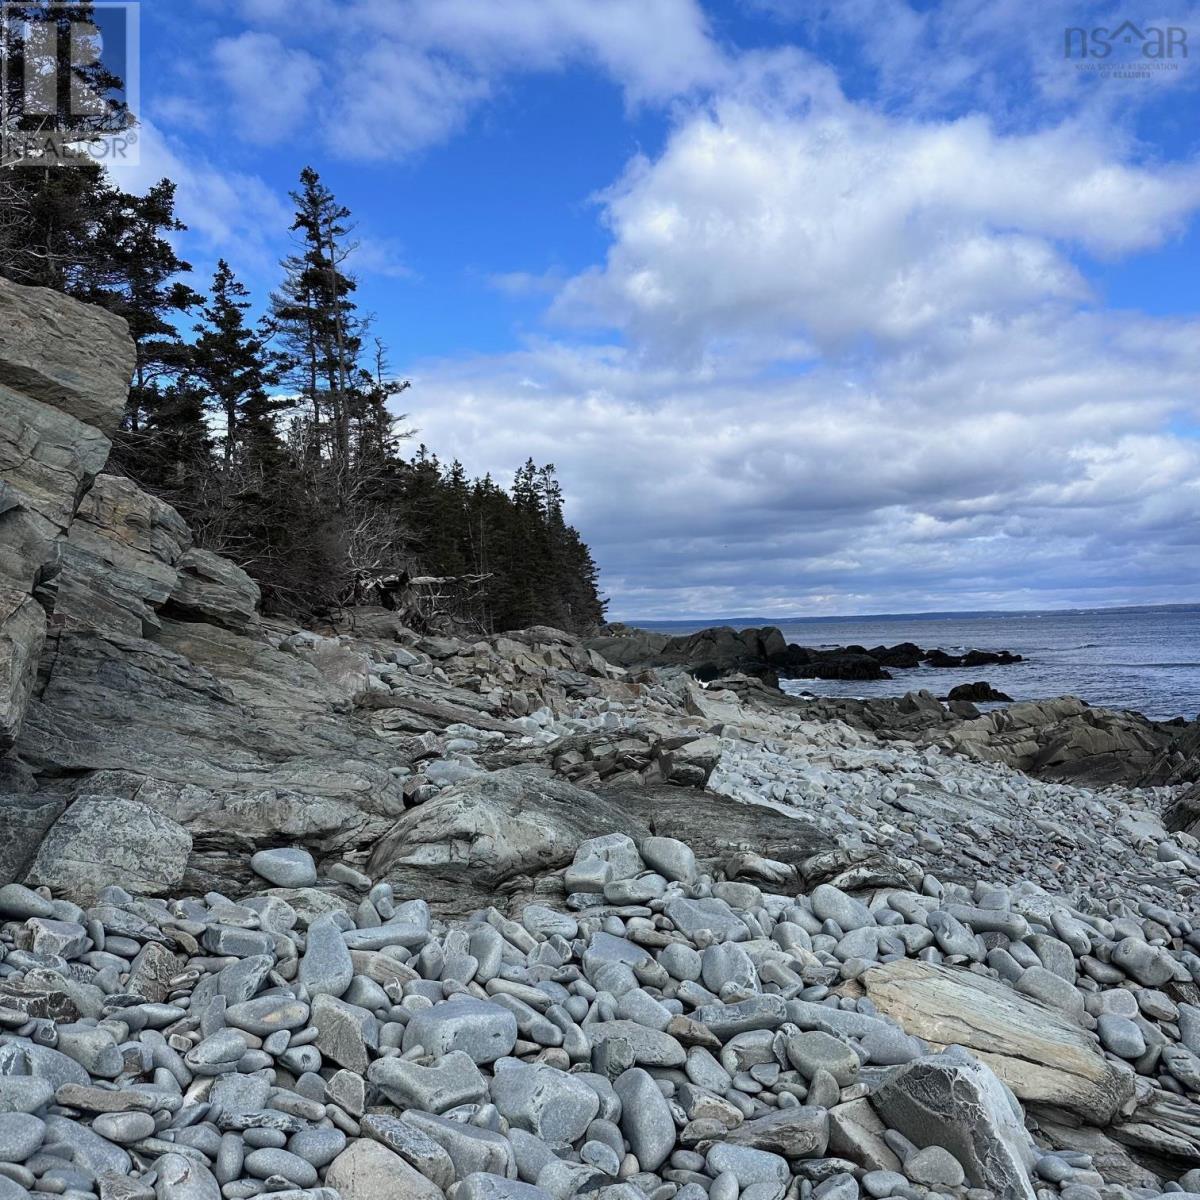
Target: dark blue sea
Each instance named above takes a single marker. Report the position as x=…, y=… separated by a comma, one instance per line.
x=1145, y=659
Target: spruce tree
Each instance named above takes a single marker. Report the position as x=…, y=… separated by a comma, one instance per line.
x=234, y=366
x=315, y=316
x=51, y=213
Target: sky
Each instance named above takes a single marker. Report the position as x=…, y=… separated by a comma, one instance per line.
x=818, y=308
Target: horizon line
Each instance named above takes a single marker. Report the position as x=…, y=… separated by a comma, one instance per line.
x=761, y=619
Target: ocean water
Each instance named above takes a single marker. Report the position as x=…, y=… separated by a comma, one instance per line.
x=1145, y=659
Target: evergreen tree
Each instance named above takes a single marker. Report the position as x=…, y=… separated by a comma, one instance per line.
x=51, y=214
x=135, y=275
x=232, y=363
x=315, y=316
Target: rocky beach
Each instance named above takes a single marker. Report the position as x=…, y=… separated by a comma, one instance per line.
x=346, y=910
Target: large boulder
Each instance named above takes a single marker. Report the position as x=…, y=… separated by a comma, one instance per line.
x=1041, y=1053
x=64, y=374
x=214, y=589
x=74, y=357
x=462, y=846
x=102, y=840
x=1063, y=738
x=708, y=653
x=1179, y=761
x=953, y=1101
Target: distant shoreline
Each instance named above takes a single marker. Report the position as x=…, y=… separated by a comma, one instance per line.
x=948, y=615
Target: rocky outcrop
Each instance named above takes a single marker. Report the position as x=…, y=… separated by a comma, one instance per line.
x=708, y=654
x=120, y=561
x=475, y=838
x=1039, y=1052
x=980, y=692
x=213, y=589
x=64, y=373
x=722, y=650
x=503, y=832
x=1063, y=739
x=237, y=740
x=22, y=633
x=1179, y=761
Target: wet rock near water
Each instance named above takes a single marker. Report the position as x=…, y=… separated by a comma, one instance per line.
x=712, y=653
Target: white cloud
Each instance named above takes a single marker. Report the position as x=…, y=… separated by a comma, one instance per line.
x=401, y=75
x=821, y=217
x=656, y=49
x=1054, y=480
x=1004, y=56
x=863, y=368
x=271, y=85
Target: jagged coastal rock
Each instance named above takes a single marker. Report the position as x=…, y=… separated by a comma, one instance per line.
x=357, y=913
x=722, y=650
x=64, y=374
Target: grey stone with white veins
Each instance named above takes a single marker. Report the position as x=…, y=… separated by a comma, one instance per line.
x=413, y=1145
x=952, y=1100
x=181, y=1178
x=470, y=1148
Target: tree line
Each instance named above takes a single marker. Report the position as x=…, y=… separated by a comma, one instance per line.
x=275, y=438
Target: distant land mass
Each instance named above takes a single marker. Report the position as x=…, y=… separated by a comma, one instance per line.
x=949, y=614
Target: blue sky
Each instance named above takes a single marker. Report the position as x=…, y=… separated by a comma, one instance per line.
x=819, y=308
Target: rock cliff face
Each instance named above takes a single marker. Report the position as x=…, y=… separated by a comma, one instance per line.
x=64, y=374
